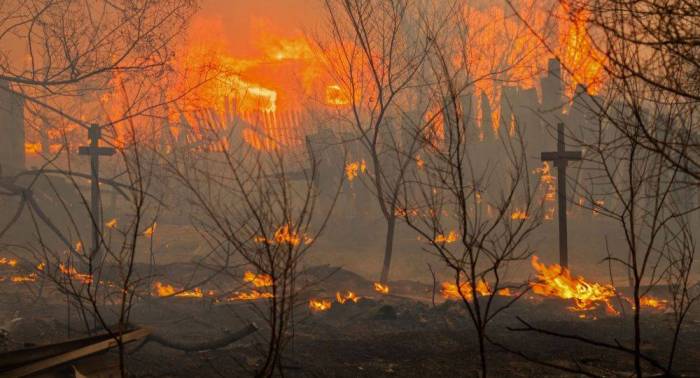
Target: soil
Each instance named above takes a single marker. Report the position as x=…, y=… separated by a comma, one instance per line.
x=403, y=334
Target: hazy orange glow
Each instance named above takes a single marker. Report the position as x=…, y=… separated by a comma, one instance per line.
x=555, y=281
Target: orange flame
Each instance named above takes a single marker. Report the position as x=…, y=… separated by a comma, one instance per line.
x=112, y=223
x=26, y=278
x=258, y=280
x=72, y=273
x=451, y=237
x=518, y=214
x=8, y=261
x=353, y=169
x=450, y=291
x=381, y=288
x=349, y=296
x=555, y=281
x=165, y=290
x=248, y=296
x=149, y=231
x=319, y=305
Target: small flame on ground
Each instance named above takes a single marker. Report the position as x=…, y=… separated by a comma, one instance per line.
x=73, y=274
x=353, y=169
x=349, y=296
x=31, y=277
x=248, y=296
x=381, y=288
x=165, y=290
x=284, y=235
x=555, y=281
x=8, y=261
x=653, y=302
x=518, y=215
x=319, y=305
x=450, y=291
x=112, y=223
x=451, y=237
x=149, y=231
x=258, y=280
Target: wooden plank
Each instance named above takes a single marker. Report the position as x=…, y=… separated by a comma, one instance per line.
x=75, y=354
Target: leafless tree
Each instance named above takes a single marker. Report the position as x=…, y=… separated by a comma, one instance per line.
x=475, y=215
x=259, y=207
x=375, y=53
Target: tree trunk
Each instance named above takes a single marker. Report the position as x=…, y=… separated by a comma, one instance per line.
x=482, y=352
x=637, y=333
x=388, y=249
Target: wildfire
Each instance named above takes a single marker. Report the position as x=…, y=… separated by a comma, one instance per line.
x=258, y=280
x=450, y=291
x=284, y=235
x=8, y=261
x=583, y=61
x=353, y=169
x=555, y=281
x=32, y=148
x=73, y=274
x=112, y=223
x=165, y=290
x=653, y=302
x=451, y=237
x=381, y=288
x=31, y=277
x=349, y=296
x=518, y=214
x=248, y=296
x=549, y=181
x=319, y=305
x=336, y=96
x=150, y=230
